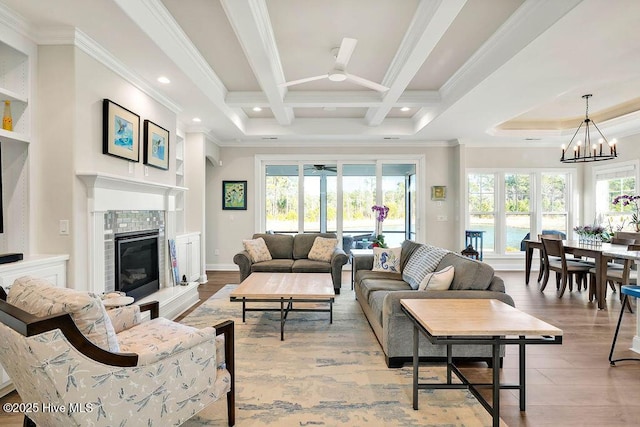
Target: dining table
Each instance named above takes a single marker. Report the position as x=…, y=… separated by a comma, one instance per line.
x=600, y=252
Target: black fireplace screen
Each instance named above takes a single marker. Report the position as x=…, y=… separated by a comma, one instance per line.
x=136, y=263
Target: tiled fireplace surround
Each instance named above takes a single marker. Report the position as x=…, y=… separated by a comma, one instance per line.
x=127, y=221
x=121, y=204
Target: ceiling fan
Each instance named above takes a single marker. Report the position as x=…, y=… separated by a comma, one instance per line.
x=339, y=71
x=320, y=168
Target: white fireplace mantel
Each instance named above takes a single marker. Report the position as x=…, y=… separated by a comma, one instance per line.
x=113, y=192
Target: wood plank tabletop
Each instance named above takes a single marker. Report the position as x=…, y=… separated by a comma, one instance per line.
x=285, y=285
x=475, y=317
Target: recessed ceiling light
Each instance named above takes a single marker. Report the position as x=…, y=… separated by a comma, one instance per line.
x=197, y=119
x=257, y=109
x=405, y=109
x=164, y=80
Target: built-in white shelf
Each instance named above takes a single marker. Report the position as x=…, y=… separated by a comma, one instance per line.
x=14, y=136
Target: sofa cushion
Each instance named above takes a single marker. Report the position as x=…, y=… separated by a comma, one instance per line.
x=280, y=245
x=438, y=280
x=322, y=249
x=424, y=260
x=386, y=259
x=257, y=249
x=275, y=266
x=40, y=298
x=383, y=284
x=470, y=274
x=303, y=242
x=310, y=266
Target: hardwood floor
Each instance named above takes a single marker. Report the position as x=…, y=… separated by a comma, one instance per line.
x=567, y=385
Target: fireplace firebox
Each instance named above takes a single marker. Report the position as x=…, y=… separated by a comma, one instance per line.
x=136, y=263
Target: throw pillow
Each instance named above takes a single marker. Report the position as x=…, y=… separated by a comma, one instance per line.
x=424, y=260
x=257, y=249
x=438, y=280
x=386, y=259
x=322, y=249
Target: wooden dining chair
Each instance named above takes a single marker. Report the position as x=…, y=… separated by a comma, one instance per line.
x=542, y=259
x=555, y=260
x=618, y=275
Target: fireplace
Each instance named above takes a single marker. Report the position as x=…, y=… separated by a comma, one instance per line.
x=136, y=263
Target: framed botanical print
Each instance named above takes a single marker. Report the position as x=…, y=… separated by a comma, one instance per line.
x=120, y=131
x=438, y=192
x=234, y=195
x=156, y=145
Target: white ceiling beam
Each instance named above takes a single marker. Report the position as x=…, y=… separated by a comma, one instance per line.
x=526, y=24
x=154, y=19
x=330, y=127
x=342, y=99
x=250, y=21
x=431, y=20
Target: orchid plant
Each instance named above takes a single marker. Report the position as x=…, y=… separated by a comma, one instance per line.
x=626, y=200
x=381, y=213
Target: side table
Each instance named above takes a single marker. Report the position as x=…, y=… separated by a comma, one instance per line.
x=486, y=321
x=117, y=302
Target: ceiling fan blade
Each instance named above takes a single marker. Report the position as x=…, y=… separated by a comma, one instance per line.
x=344, y=54
x=366, y=83
x=308, y=79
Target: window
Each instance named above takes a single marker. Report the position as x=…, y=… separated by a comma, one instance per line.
x=281, y=198
x=611, y=183
x=320, y=198
x=303, y=197
x=482, y=212
x=522, y=211
x=358, y=195
x=517, y=207
x=395, y=185
x=555, y=215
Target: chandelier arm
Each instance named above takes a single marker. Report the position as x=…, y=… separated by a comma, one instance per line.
x=588, y=156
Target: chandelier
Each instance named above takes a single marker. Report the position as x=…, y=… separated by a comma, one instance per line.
x=585, y=151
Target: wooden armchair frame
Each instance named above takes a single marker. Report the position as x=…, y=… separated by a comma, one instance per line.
x=28, y=325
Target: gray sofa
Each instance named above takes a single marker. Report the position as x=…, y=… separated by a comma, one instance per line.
x=290, y=254
x=379, y=294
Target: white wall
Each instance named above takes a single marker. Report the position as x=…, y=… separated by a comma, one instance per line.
x=71, y=88
x=226, y=229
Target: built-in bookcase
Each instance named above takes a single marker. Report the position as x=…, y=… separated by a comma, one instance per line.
x=16, y=79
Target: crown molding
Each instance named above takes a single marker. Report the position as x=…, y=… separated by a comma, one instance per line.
x=50, y=36
x=153, y=18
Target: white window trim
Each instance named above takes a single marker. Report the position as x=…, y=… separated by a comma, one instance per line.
x=263, y=160
x=536, y=212
x=610, y=171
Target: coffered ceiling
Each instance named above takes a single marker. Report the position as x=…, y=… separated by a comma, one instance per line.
x=505, y=71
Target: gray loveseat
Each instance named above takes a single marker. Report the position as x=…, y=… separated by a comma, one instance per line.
x=379, y=294
x=290, y=254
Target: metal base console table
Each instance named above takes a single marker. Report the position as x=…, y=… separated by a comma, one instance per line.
x=475, y=321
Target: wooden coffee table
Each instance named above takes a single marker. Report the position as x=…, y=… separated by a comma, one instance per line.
x=286, y=288
x=475, y=321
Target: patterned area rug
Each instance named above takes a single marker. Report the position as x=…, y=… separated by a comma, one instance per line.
x=323, y=374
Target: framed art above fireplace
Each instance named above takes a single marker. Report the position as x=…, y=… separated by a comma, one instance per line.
x=120, y=131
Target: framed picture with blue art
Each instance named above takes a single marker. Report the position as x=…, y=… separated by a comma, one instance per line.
x=156, y=145
x=234, y=195
x=120, y=131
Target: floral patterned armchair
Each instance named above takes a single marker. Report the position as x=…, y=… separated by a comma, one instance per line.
x=74, y=363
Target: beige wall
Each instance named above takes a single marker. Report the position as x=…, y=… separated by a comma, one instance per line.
x=227, y=229
x=71, y=87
